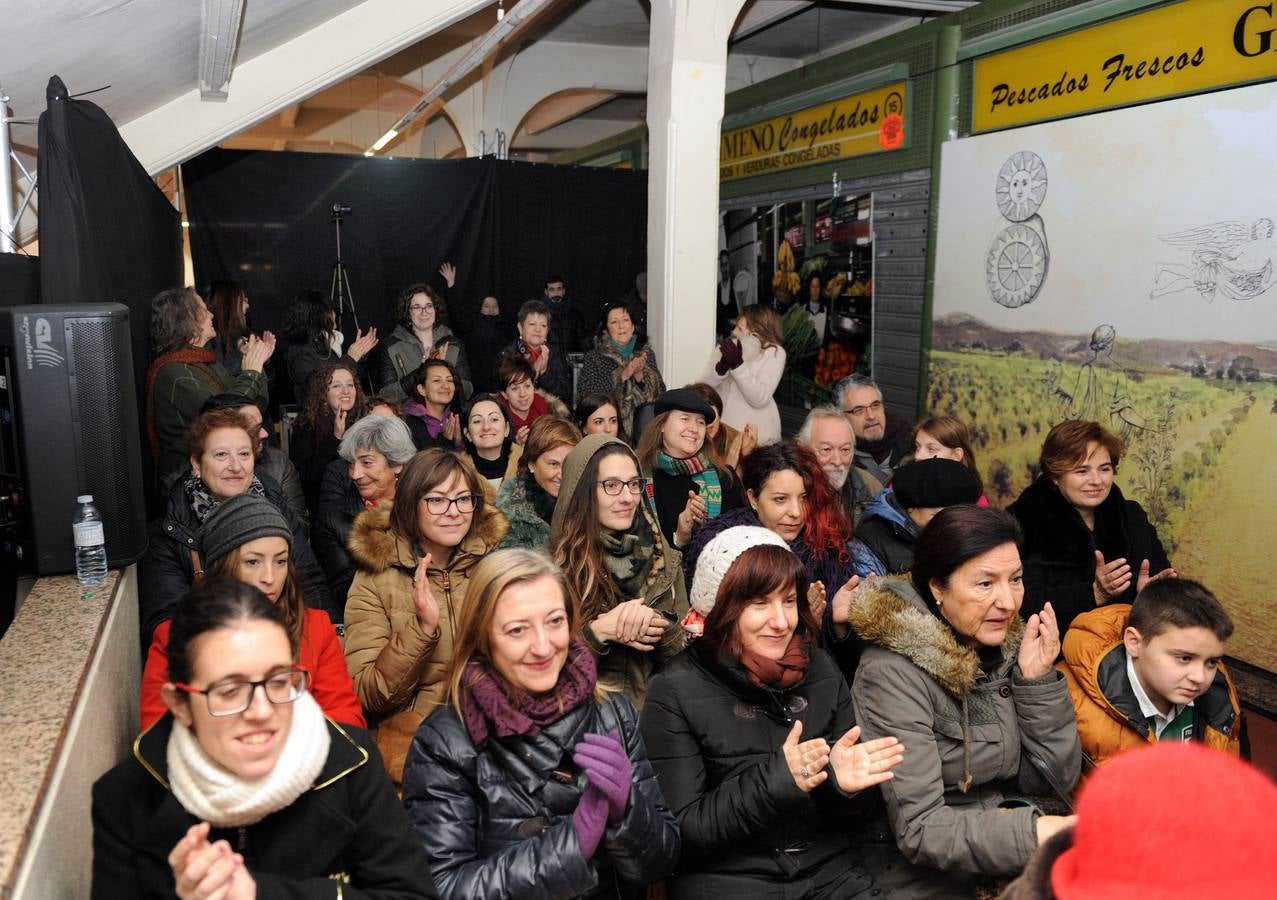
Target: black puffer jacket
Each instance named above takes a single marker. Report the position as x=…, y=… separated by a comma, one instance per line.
x=339, y=503
x=167, y=571
x=1059, y=550
x=496, y=821
x=715, y=742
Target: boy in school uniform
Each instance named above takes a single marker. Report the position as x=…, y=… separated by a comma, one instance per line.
x=1153, y=671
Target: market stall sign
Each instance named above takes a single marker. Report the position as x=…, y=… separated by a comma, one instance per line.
x=869, y=122
x=1182, y=48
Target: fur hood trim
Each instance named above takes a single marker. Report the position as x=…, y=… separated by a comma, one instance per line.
x=889, y=613
x=375, y=547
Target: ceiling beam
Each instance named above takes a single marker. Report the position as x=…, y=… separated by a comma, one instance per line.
x=267, y=84
x=219, y=37
x=288, y=117
x=940, y=6
x=763, y=14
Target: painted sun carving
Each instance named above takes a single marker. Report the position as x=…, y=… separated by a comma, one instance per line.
x=1021, y=185
x=1016, y=266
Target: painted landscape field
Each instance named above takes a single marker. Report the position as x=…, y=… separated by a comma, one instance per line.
x=1200, y=421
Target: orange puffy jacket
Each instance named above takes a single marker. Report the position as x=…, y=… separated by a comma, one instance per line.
x=1108, y=715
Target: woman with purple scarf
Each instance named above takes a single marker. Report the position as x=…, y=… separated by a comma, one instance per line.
x=531, y=781
x=433, y=413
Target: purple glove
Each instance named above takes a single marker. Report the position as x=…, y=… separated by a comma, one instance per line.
x=730, y=356
x=589, y=819
x=607, y=766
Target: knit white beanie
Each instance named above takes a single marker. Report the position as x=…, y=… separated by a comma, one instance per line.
x=718, y=556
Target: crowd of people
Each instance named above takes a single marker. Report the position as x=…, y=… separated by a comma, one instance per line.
x=529, y=622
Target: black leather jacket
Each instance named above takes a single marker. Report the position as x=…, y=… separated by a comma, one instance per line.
x=496, y=821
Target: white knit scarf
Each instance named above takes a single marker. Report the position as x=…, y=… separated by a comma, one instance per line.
x=225, y=800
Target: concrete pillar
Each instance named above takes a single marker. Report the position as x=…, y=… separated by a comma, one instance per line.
x=686, y=82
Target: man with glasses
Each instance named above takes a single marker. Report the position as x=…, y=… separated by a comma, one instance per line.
x=883, y=442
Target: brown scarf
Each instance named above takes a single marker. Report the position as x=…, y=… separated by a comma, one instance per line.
x=189, y=356
x=778, y=673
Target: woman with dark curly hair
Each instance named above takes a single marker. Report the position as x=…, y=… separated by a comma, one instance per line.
x=421, y=334
x=335, y=402
x=621, y=363
x=184, y=373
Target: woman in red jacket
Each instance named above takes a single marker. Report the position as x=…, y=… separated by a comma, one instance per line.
x=247, y=538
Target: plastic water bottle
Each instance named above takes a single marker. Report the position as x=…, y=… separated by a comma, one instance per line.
x=90, y=542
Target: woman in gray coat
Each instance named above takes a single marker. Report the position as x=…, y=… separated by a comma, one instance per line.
x=971, y=691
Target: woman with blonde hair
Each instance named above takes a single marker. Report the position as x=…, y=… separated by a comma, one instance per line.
x=746, y=369
x=415, y=557
x=624, y=575
x=531, y=780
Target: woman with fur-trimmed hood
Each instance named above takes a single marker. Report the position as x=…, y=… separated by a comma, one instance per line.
x=414, y=560
x=970, y=690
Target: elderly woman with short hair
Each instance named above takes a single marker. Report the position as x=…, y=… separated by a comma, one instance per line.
x=373, y=452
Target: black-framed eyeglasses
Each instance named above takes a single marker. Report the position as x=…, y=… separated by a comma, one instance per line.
x=422, y=307
x=876, y=406
x=438, y=506
x=612, y=486
x=230, y=698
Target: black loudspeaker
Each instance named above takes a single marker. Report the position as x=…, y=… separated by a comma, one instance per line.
x=68, y=426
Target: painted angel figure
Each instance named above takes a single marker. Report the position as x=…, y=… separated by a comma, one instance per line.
x=1230, y=258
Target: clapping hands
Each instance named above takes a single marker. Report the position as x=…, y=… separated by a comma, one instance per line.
x=204, y=871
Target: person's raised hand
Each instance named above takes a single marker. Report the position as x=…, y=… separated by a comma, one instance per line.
x=607, y=766
x=339, y=423
x=1144, y=579
x=363, y=343
x=858, y=766
x=451, y=427
x=256, y=353
x=806, y=759
x=694, y=514
x=641, y=359
x=423, y=598
x=816, y=599
x=1040, y=645
x=1111, y=578
x=521, y=436
x=449, y=273
x=203, y=871
x=440, y=352
x=748, y=439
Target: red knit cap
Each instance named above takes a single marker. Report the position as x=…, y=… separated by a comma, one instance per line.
x=1172, y=821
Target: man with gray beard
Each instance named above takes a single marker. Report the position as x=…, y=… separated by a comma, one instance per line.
x=827, y=433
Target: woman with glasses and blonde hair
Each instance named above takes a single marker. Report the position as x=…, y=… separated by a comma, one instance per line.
x=414, y=557
x=532, y=780
x=247, y=538
x=243, y=788
x=745, y=370
x=625, y=577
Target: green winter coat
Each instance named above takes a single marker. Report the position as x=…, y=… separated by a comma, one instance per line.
x=180, y=390
x=622, y=668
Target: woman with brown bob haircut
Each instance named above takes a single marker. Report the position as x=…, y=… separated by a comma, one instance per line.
x=946, y=437
x=1084, y=543
x=766, y=801
x=414, y=557
x=529, y=736
x=527, y=500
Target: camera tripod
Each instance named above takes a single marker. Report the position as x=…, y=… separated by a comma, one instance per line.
x=339, y=292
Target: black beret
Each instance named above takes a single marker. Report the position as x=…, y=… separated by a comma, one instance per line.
x=684, y=400
x=930, y=483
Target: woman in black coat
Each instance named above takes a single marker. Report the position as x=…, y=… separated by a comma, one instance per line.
x=311, y=341
x=373, y=453
x=752, y=737
x=530, y=782
x=222, y=466
x=305, y=812
x=1084, y=543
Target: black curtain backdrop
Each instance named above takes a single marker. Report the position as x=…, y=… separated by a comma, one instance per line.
x=107, y=232
x=19, y=279
x=265, y=220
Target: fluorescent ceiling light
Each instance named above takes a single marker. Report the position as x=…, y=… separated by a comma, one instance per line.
x=382, y=141
x=219, y=37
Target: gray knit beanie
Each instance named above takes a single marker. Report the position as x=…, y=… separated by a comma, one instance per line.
x=718, y=556
x=237, y=521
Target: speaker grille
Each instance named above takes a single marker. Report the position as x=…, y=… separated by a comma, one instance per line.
x=100, y=429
